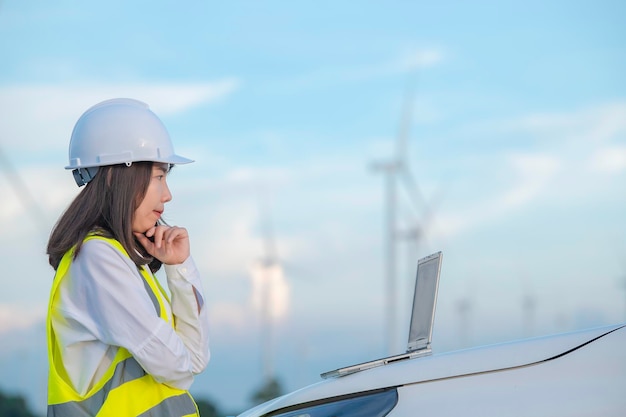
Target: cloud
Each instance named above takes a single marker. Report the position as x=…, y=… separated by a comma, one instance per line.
x=574, y=156
x=534, y=172
x=51, y=192
x=327, y=76
x=416, y=59
x=38, y=116
x=531, y=175
x=608, y=160
x=13, y=317
x=563, y=165
x=228, y=316
x=592, y=124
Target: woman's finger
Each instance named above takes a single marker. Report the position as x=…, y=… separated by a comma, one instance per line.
x=145, y=242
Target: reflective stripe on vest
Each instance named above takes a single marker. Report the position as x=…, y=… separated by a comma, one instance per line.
x=125, y=390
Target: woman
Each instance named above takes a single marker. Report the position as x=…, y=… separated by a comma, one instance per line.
x=117, y=345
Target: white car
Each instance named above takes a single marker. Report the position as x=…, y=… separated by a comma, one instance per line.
x=581, y=373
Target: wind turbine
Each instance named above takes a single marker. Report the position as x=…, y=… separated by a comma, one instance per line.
x=268, y=271
x=397, y=168
x=529, y=306
x=23, y=194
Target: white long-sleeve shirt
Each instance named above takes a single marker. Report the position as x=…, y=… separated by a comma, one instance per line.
x=102, y=303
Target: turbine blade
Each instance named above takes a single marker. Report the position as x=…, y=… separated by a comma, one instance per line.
x=406, y=119
x=23, y=194
x=413, y=191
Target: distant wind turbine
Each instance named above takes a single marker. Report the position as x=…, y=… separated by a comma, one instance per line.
x=397, y=168
x=269, y=277
x=529, y=304
x=22, y=192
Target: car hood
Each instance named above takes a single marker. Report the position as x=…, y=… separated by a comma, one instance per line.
x=439, y=366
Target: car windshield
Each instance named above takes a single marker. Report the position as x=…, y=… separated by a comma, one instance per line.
x=373, y=404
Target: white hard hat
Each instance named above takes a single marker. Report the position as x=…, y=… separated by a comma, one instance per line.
x=118, y=131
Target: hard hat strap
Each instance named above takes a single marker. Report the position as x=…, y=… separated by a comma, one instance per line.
x=83, y=175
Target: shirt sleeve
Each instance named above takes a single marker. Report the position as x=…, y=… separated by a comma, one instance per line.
x=119, y=312
x=189, y=310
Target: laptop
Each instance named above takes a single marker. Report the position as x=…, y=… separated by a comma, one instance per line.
x=422, y=318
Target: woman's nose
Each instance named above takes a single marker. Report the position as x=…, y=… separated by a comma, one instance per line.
x=167, y=195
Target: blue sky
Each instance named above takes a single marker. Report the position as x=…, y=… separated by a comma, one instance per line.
x=517, y=141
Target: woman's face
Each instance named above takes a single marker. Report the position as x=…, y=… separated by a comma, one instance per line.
x=151, y=207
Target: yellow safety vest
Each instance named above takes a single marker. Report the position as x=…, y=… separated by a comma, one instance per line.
x=125, y=390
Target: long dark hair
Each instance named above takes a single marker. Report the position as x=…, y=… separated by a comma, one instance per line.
x=107, y=207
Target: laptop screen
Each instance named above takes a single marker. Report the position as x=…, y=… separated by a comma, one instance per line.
x=422, y=318
x=424, y=301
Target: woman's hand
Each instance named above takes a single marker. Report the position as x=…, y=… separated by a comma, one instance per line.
x=170, y=245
